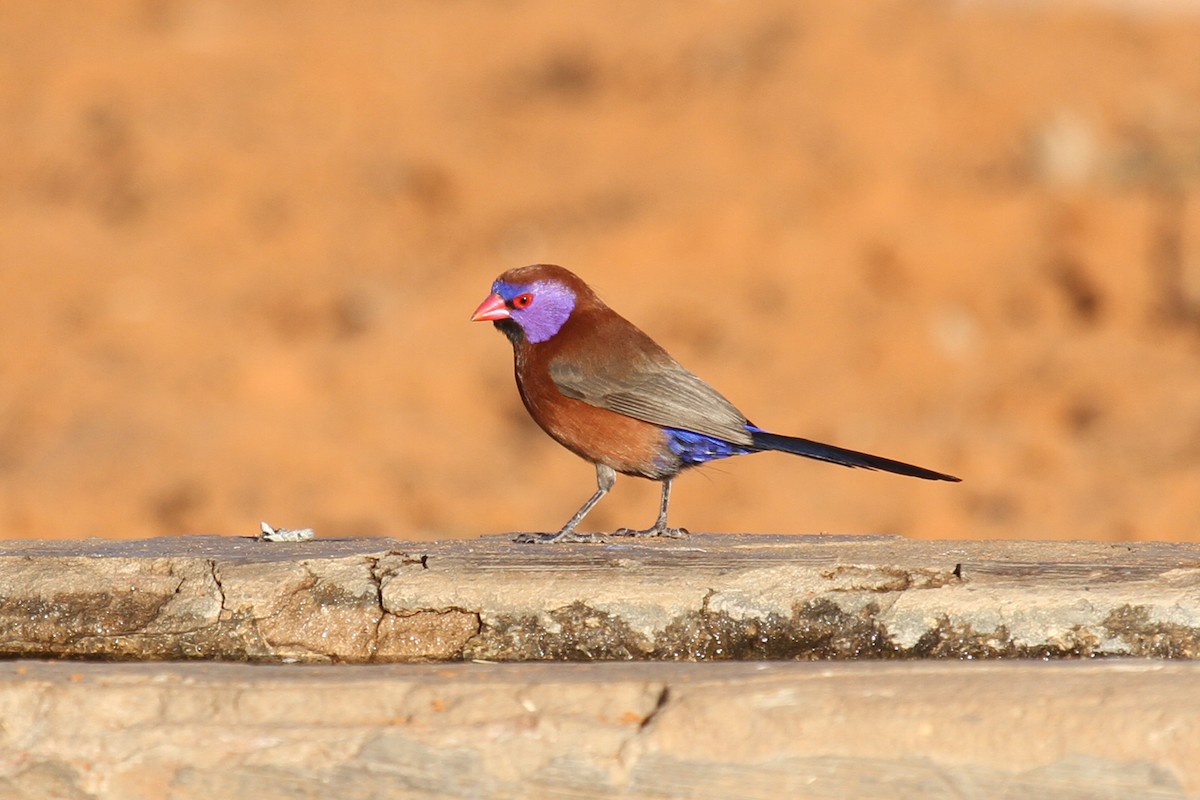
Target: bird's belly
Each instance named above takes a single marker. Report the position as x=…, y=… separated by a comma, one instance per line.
x=628, y=445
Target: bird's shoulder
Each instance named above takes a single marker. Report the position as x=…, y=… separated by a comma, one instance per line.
x=604, y=346
x=606, y=361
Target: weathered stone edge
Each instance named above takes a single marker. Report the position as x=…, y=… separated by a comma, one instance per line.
x=486, y=603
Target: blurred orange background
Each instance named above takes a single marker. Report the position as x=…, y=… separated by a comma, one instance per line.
x=239, y=242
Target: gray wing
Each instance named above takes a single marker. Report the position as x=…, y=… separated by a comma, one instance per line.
x=653, y=387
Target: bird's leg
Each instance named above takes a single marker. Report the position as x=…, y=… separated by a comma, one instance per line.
x=605, y=478
x=660, y=525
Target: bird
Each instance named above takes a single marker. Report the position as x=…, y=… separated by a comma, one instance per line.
x=606, y=391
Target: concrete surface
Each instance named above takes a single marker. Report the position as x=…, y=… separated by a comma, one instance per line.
x=1083, y=729
x=708, y=597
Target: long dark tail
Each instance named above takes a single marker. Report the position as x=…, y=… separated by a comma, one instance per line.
x=839, y=455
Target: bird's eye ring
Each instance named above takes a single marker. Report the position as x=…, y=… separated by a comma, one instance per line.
x=522, y=300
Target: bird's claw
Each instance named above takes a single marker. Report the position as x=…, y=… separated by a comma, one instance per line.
x=663, y=531
x=561, y=536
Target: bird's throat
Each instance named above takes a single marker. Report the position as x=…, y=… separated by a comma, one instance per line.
x=510, y=329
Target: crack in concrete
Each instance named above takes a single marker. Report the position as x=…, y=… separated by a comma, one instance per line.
x=310, y=583
x=628, y=751
x=660, y=703
x=442, y=631
x=377, y=580
x=215, y=572
x=889, y=601
x=471, y=643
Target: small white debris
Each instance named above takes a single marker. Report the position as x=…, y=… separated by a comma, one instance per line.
x=270, y=534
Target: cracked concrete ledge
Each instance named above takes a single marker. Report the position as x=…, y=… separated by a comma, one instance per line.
x=1111, y=729
x=708, y=597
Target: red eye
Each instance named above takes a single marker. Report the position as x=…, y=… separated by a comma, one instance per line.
x=522, y=300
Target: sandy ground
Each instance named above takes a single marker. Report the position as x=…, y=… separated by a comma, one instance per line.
x=239, y=243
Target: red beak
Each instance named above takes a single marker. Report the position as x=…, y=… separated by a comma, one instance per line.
x=491, y=309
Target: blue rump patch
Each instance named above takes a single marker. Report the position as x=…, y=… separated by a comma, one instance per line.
x=697, y=448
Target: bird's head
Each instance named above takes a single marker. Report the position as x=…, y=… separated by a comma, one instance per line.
x=532, y=303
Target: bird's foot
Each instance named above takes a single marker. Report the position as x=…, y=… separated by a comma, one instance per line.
x=561, y=536
x=657, y=530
